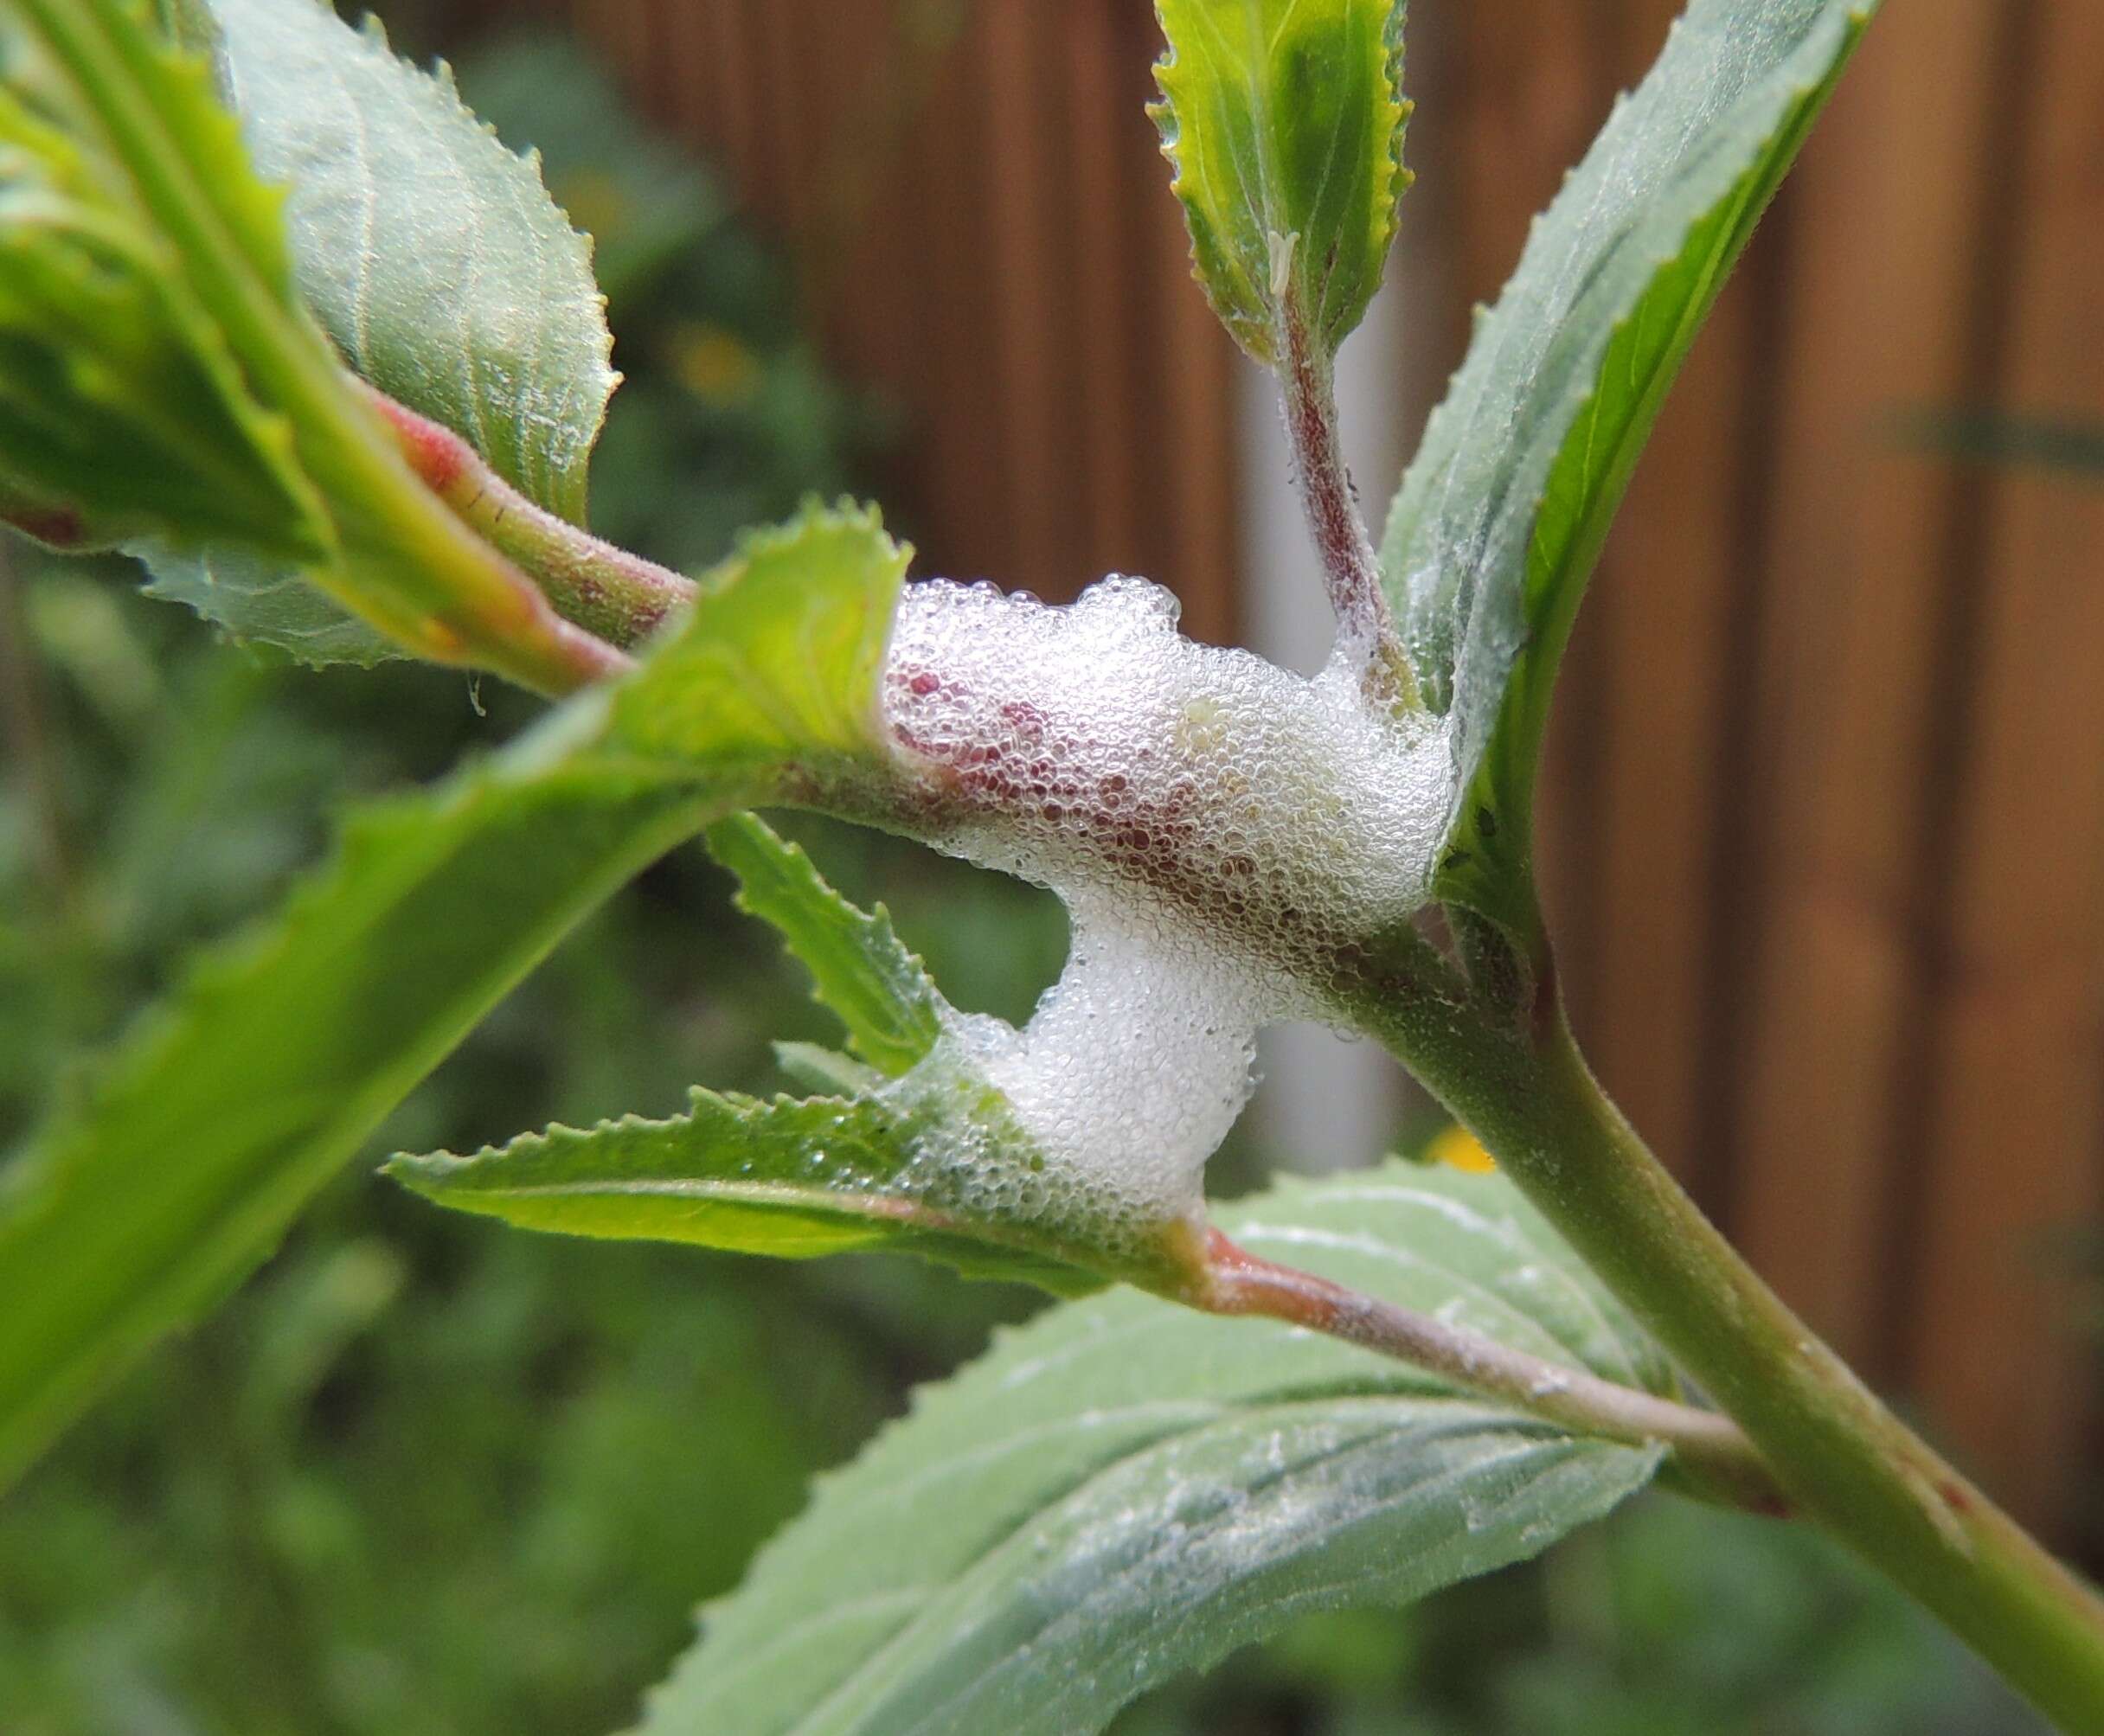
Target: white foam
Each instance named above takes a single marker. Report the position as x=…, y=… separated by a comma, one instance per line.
x=1214, y=823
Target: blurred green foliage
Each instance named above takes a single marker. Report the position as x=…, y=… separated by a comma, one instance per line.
x=2072, y=445
x=425, y=1475
x=422, y=1475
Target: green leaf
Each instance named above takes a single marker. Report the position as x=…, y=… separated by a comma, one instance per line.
x=1122, y=1491
x=256, y=600
x=778, y=657
x=122, y=410
x=142, y=117
x=859, y=968
x=1502, y=512
x=279, y=1057
x=232, y=1104
x=920, y=1154
x=791, y=1178
x=827, y=1071
x=437, y=263
x=431, y=253
x=1284, y=120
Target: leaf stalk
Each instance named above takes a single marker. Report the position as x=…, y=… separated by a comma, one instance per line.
x=620, y=597
x=1710, y=1451
x=1351, y=571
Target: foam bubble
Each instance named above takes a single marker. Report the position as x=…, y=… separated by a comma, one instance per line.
x=1214, y=824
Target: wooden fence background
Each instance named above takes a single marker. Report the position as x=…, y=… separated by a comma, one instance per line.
x=1826, y=827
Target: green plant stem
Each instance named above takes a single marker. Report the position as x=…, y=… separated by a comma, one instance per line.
x=620, y=597
x=1711, y=1456
x=1842, y=1457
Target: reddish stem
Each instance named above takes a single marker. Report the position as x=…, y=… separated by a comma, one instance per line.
x=1349, y=568
x=1708, y=1448
x=620, y=597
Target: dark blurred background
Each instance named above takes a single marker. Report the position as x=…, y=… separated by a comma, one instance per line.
x=1825, y=835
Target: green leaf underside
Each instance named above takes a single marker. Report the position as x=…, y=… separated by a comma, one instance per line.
x=1285, y=119
x=431, y=253
x=825, y=1072
x=263, y=603
x=122, y=409
x=1121, y=1491
x=1502, y=514
x=235, y=1101
x=860, y=969
x=793, y=1179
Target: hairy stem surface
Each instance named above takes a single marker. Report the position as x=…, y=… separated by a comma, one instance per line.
x=1351, y=571
x=621, y=597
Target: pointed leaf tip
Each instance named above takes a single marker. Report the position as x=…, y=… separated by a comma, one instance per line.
x=859, y=967
x=1284, y=120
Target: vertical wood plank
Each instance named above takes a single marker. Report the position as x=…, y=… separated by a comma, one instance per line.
x=692, y=103
x=2008, y=1151
x=621, y=28
x=1861, y=580
x=1536, y=77
x=961, y=473
x=653, y=72
x=1026, y=257
x=1105, y=362
x=858, y=261
x=1147, y=299
x=738, y=129
x=1195, y=462
x=791, y=117
x=1666, y=597
x=1186, y=459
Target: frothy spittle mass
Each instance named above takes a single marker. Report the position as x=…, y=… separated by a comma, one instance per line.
x=1212, y=822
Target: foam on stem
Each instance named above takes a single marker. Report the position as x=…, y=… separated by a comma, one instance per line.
x=1216, y=825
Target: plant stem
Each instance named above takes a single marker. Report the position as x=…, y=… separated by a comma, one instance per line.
x=1710, y=1451
x=1351, y=571
x=620, y=597
x=1840, y=1455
